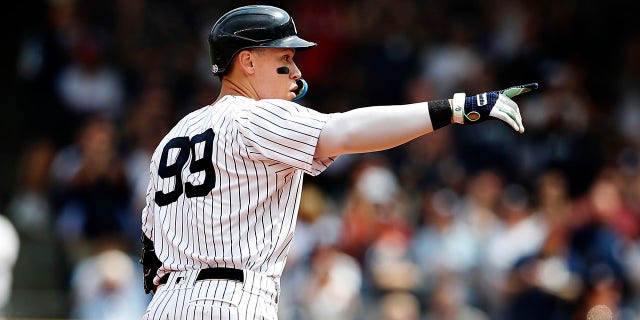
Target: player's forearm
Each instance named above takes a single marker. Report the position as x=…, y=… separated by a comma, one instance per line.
x=373, y=129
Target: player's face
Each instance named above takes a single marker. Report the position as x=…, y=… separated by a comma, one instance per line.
x=270, y=83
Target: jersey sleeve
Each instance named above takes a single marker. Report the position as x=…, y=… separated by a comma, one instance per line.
x=285, y=132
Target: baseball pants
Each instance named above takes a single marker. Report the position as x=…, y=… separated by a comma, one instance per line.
x=184, y=297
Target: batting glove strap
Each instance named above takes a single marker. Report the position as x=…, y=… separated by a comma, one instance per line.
x=458, y=107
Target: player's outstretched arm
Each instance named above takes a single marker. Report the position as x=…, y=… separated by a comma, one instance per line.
x=383, y=127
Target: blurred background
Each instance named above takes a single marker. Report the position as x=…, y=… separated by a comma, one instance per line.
x=470, y=222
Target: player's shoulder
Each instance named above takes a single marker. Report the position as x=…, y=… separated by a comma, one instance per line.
x=246, y=103
x=281, y=107
x=281, y=104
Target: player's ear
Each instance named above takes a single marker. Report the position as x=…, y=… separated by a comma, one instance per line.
x=245, y=60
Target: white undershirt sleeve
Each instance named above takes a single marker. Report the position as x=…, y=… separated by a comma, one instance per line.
x=373, y=128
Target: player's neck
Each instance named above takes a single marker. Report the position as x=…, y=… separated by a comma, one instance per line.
x=237, y=88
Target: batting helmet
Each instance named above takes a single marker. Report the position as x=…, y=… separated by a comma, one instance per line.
x=255, y=26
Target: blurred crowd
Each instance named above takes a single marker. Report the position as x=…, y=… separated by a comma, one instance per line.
x=469, y=222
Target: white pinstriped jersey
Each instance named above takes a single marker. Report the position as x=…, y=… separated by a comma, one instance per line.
x=225, y=185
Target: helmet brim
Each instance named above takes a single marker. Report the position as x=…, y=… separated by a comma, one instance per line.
x=293, y=42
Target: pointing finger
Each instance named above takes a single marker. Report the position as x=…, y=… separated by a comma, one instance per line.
x=516, y=90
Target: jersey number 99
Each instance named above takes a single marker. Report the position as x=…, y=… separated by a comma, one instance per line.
x=204, y=164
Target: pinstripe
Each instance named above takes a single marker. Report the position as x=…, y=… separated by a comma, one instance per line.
x=266, y=128
x=215, y=113
x=219, y=174
x=166, y=303
x=320, y=123
x=279, y=226
x=249, y=200
x=180, y=305
x=270, y=222
x=228, y=194
x=175, y=206
x=252, y=297
x=193, y=296
x=198, y=242
x=192, y=231
x=208, y=289
x=262, y=216
x=229, y=134
x=259, y=152
x=226, y=166
x=252, y=307
x=240, y=203
x=292, y=222
x=183, y=226
x=281, y=130
x=215, y=294
x=283, y=152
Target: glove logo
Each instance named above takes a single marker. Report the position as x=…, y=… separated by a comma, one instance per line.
x=481, y=99
x=473, y=116
x=214, y=68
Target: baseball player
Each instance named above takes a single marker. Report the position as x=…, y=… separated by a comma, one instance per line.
x=225, y=182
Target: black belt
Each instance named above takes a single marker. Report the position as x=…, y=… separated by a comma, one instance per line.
x=214, y=273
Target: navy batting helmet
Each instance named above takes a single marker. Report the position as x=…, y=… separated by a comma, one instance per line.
x=255, y=26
